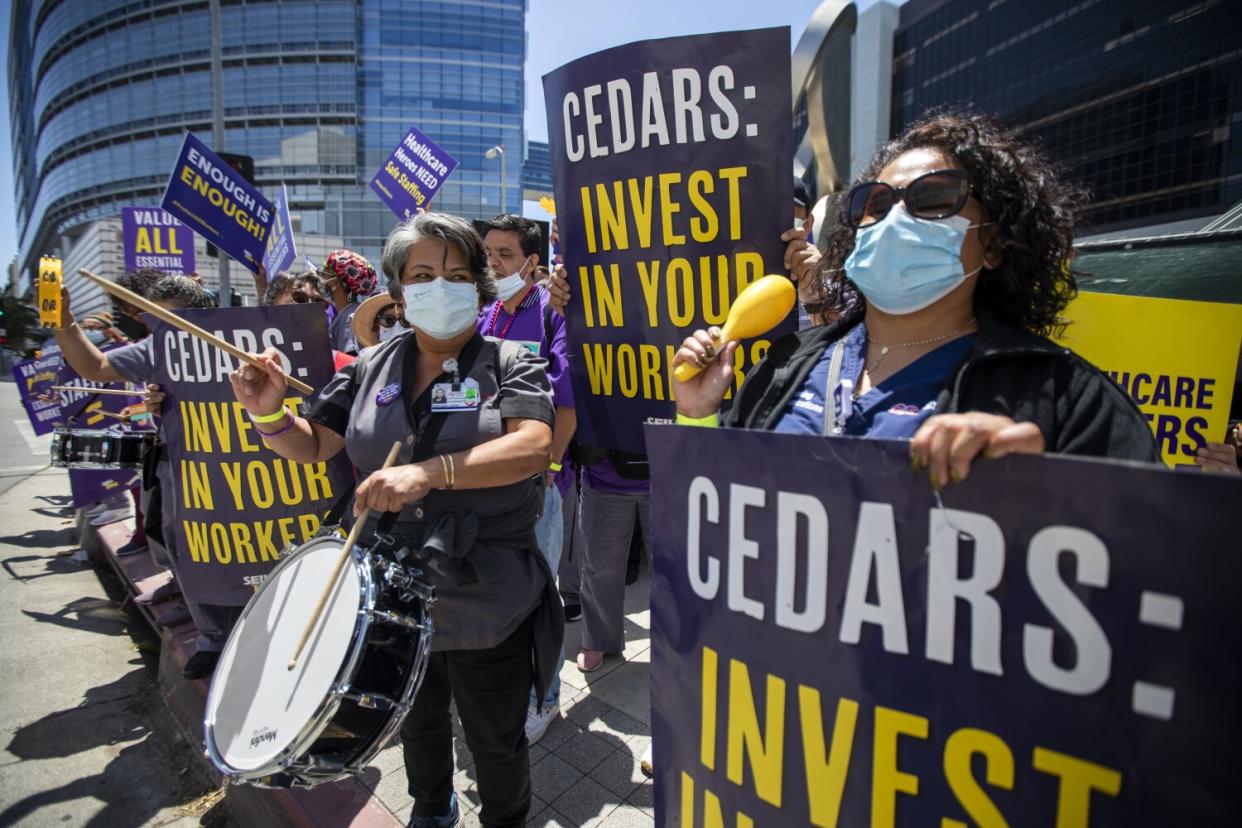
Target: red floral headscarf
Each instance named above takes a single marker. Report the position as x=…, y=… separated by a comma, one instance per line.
x=354, y=271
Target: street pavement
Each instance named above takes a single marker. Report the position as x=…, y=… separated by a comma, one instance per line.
x=585, y=769
x=21, y=452
x=85, y=739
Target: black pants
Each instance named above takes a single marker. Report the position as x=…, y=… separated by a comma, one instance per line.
x=492, y=691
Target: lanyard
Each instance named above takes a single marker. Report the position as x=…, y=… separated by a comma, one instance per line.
x=834, y=423
x=530, y=299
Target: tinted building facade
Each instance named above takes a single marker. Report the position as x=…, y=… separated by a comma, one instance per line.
x=1140, y=99
x=317, y=91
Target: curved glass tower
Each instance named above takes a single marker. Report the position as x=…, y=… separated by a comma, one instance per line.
x=317, y=91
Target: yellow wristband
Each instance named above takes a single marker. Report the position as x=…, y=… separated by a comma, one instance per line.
x=269, y=418
x=555, y=467
x=710, y=421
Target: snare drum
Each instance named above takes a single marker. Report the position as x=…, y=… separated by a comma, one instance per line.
x=352, y=686
x=83, y=448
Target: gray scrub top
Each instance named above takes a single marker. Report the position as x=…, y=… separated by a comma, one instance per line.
x=364, y=405
x=134, y=362
x=341, y=331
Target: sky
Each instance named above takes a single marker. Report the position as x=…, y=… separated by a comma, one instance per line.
x=559, y=31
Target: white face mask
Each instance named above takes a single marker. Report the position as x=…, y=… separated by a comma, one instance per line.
x=441, y=309
x=511, y=286
x=386, y=334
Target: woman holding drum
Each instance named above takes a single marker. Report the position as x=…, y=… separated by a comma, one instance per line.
x=474, y=421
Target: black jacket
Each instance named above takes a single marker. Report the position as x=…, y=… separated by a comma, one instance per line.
x=1008, y=371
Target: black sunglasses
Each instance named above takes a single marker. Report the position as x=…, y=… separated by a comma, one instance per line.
x=301, y=297
x=936, y=195
x=387, y=321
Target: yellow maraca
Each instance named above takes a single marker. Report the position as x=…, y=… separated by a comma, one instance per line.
x=757, y=310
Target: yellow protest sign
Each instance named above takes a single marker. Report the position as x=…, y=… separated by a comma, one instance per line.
x=49, y=292
x=1176, y=359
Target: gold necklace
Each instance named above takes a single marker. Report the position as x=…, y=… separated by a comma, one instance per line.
x=884, y=349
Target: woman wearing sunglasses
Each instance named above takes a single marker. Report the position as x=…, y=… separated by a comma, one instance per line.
x=379, y=319
x=946, y=275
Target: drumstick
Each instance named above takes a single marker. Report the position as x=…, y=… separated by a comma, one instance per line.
x=117, y=392
x=171, y=318
x=340, y=565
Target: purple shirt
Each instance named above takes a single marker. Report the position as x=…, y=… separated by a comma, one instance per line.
x=526, y=326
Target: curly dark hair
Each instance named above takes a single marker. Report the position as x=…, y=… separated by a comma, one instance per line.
x=1021, y=191
x=140, y=282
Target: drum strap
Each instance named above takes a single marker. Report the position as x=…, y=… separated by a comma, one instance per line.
x=425, y=445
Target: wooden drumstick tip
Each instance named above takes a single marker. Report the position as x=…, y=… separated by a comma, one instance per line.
x=171, y=318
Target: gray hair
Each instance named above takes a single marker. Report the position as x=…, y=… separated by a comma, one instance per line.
x=448, y=229
x=181, y=291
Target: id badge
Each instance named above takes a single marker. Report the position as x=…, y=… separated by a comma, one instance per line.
x=448, y=396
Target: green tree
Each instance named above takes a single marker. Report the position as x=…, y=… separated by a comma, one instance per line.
x=19, y=321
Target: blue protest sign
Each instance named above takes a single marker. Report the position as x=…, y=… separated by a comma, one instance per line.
x=35, y=378
x=151, y=238
x=218, y=203
x=670, y=160
x=280, y=252
x=412, y=174
x=1049, y=643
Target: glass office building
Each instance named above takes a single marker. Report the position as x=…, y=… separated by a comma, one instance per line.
x=1140, y=99
x=317, y=91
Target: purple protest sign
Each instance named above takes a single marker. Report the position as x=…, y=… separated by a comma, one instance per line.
x=824, y=625
x=35, y=378
x=280, y=251
x=218, y=203
x=83, y=409
x=153, y=239
x=412, y=174
x=663, y=219
x=238, y=503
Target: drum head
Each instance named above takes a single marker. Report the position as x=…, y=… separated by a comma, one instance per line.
x=258, y=709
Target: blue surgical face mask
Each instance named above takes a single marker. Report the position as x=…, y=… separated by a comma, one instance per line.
x=903, y=264
x=441, y=309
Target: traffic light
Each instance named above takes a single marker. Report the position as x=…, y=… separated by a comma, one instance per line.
x=244, y=164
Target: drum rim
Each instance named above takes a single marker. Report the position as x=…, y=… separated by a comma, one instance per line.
x=326, y=709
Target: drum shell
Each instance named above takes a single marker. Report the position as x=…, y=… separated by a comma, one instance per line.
x=380, y=663
x=92, y=449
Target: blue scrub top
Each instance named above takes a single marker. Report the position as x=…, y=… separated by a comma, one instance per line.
x=892, y=410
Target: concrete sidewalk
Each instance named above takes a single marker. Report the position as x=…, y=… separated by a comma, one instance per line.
x=584, y=771
x=85, y=738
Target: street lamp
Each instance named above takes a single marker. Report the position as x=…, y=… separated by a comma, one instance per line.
x=489, y=155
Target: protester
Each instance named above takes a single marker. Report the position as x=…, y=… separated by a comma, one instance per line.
x=379, y=319
x=136, y=363
x=612, y=502
x=521, y=313
x=802, y=207
x=294, y=287
x=496, y=602
x=125, y=315
x=953, y=248
x=348, y=278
